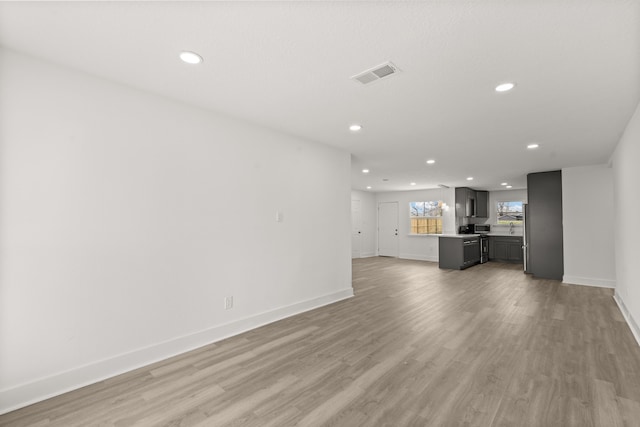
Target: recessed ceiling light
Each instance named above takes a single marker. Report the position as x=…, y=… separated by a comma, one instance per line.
x=469, y=178
x=430, y=161
x=504, y=87
x=413, y=183
x=532, y=146
x=504, y=183
x=355, y=128
x=368, y=187
x=509, y=186
x=365, y=170
x=190, y=57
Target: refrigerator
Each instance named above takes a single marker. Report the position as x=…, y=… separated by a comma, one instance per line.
x=525, y=236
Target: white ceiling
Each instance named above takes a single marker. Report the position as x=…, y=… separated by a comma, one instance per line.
x=287, y=66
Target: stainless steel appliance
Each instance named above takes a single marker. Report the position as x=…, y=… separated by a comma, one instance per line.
x=465, y=229
x=470, y=246
x=481, y=228
x=484, y=248
x=525, y=237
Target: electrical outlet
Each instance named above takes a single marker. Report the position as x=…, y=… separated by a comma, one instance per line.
x=228, y=303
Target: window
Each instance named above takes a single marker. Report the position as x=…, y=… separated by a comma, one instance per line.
x=426, y=217
x=509, y=213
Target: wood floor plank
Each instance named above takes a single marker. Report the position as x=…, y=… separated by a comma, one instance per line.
x=416, y=346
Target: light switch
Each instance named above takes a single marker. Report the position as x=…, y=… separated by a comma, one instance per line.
x=279, y=216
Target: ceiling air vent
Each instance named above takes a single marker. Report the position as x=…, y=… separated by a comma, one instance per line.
x=376, y=73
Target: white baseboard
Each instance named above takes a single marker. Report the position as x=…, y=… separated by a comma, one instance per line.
x=365, y=255
x=635, y=330
x=44, y=388
x=418, y=257
x=589, y=281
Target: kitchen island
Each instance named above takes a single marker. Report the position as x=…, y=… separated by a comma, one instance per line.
x=458, y=251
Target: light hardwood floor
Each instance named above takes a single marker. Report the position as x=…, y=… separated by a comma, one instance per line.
x=416, y=346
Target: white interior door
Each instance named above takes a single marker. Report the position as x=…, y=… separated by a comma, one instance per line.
x=388, y=229
x=356, y=229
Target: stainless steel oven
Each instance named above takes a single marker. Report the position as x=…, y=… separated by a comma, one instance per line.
x=483, y=230
x=484, y=248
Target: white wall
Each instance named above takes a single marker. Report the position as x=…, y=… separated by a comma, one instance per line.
x=369, y=222
x=588, y=242
x=125, y=219
x=420, y=247
x=626, y=178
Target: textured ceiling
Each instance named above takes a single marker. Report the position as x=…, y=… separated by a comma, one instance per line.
x=287, y=66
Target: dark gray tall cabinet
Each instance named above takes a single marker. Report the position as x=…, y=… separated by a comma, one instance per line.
x=544, y=225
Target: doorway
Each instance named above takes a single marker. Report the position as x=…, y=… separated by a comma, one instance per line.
x=388, y=229
x=356, y=229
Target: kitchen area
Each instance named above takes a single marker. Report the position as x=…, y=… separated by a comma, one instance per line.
x=477, y=244
x=559, y=208
x=527, y=232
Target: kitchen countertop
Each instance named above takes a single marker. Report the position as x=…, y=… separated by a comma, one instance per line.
x=462, y=236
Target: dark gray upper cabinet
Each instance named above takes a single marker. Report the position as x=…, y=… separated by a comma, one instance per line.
x=465, y=202
x=472, y=203
x=544, y=225
x=482, y=204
